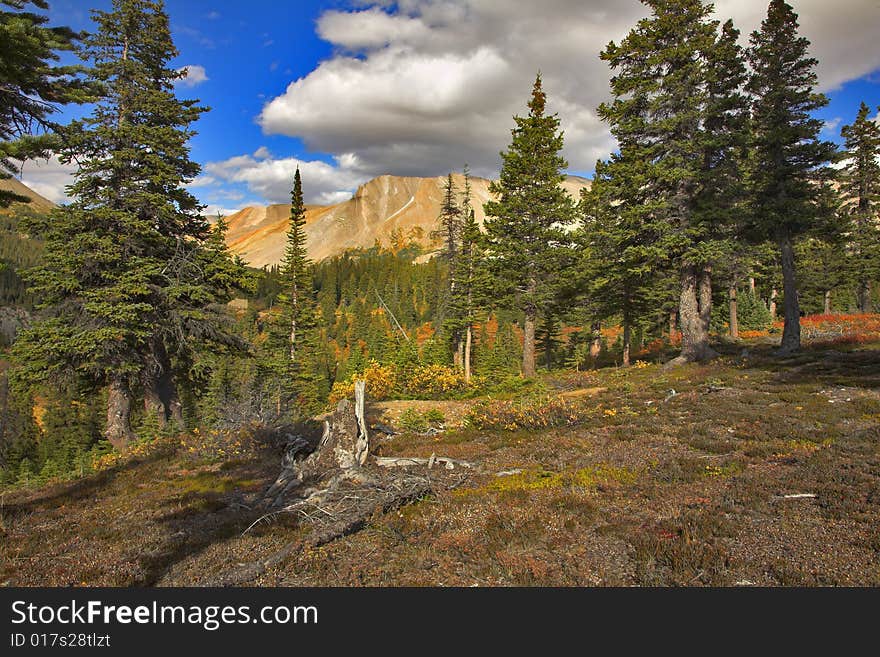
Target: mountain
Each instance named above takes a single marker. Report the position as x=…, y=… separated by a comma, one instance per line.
x=37, y=202
x=377, y=209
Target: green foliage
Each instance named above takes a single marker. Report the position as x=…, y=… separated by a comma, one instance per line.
x=291, y=349
x=752, y=314
x=787, y=171
x=860, y=191
x=526, y=244
x=33, y=84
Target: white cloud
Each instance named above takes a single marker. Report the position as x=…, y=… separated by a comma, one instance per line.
x=831, y=125
x=213, y=209
x=272, y=179
x=194, y=75
x=48, y=178
x=419, y=87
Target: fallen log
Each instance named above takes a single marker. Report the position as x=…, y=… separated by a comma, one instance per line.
x=407, y=461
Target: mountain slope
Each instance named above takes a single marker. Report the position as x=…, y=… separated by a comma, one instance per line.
x=37, y=202
x=378, y=208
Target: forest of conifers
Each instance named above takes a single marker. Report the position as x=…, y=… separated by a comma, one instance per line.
x=722, y=210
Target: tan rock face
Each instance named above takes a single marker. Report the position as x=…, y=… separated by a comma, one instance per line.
x=37, y=202
x=379, y=208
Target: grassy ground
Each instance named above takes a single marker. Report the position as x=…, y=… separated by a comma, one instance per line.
x=636, y=486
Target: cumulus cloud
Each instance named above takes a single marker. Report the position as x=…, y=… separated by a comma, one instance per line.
x=419, y=87
x=272, y=178
x=48, y=178
x=193, y=75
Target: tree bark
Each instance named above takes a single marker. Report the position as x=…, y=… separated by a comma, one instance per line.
x=627, y=338
x=772, y=305
x=734, y=319
x=160, y=390
x=468, y=343
x=458, y=355
x=864, y=297
x=528, y=362
x=595, y=340
x=791, y=331
x=752, y=285
x=118, y=430
x=694, y=309
x=827, y=308
x=673, y=321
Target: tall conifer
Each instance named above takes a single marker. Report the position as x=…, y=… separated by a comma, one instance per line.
x=787, y=156
x=525, y=226
x=121, y=285
x=860, y=189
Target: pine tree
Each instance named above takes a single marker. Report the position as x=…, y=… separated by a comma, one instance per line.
x=624, y=247
x=860, y=189
x=294, y=334
x=33, y=85
x=120, y=284
x=678, y=115
x=525, y=226
x=451, y=220
x=787, y=156
x=471, y=296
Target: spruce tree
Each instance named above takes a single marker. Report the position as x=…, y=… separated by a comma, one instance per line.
x=525, y=227
x=860, y=190
x=787, y=156
x=678, y=116
x=120, y=283
x=450, y=220
x=33, y=85
x=624, y=254
x=294, y=333
x=470, y=299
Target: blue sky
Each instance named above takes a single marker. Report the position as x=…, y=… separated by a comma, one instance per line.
x=348, y=90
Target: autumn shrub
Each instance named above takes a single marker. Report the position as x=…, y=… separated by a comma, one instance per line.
x=381, y=383
x=433, y=382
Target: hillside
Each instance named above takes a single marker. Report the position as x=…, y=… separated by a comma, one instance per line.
x=37, y=202
x=378, y=208
x=754, y=471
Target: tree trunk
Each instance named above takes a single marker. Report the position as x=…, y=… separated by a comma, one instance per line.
x=160, y=390
x=705, y=300
x=673, y=320
x=694, y=309
x=528, y=362
x=734, y=320
x=752, y=285
x=827, y=308
x=468, y=341
x=791, y=310
x=153, y=402
x=627, y=338
x=458, y=355
x=118, y=430
x=863, y=296
x=772, y=305
x=595, y=340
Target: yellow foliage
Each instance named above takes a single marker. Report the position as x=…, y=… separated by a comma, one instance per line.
x=381, y=383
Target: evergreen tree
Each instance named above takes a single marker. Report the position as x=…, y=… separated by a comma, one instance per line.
x=525, y=227
x=624, y=248
x=860, y=189
x=679, y=118
x=471, y=296
x=451, y=220
x=294, y=333
x=33, y=85
x=120, y=283
x=787, y=156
